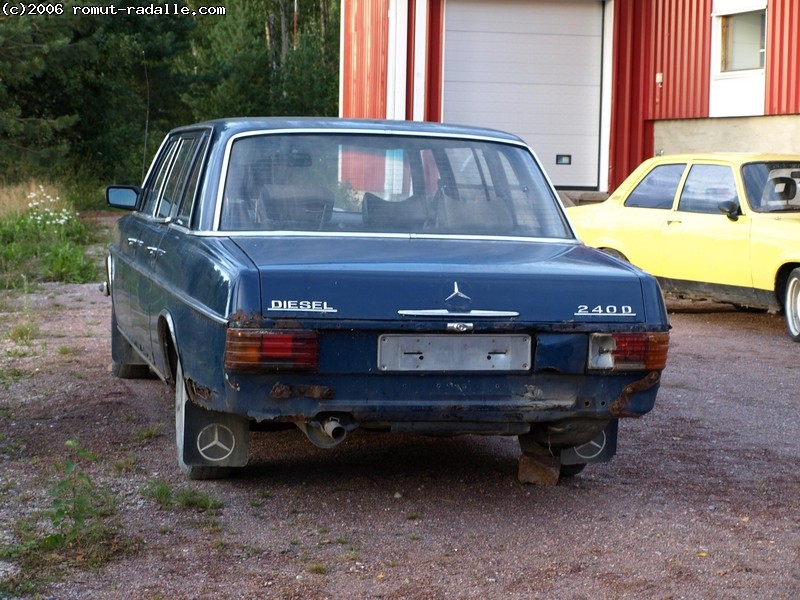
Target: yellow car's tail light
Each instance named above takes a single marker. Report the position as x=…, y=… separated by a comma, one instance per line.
x=628, y=351
x=271, y=349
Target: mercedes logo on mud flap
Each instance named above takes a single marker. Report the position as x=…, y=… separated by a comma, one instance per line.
x=593, y=448
x=216, y=442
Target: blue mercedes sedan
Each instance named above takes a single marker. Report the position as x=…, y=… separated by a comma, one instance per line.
x=343, y=275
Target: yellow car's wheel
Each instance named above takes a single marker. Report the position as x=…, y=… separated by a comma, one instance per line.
x=615, y=254
x=791, y=304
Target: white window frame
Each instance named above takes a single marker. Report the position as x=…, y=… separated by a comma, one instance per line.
x=734, y=93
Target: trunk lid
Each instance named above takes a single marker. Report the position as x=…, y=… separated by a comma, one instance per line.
x=393, y=279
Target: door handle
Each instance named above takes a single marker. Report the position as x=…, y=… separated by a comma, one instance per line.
x=153, y=251
x=134, y=241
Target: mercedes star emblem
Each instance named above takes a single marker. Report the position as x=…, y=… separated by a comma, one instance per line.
x=457, y=293
x=593, y=448
x=216, y=442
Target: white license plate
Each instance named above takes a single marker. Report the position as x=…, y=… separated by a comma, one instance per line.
x=472, y=352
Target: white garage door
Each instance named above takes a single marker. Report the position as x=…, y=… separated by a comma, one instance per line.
x=533, y=68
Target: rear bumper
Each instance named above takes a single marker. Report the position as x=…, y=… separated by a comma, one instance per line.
x=440, y=404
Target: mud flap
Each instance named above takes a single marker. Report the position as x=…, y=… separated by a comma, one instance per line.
x=214, y=439
x=599, y=449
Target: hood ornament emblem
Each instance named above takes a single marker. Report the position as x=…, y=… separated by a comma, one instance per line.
x=457, y=294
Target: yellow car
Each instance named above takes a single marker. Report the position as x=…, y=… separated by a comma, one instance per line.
x=721, y=227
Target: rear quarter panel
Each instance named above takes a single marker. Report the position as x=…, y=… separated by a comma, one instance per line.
x=775, y=244
x=199, y=281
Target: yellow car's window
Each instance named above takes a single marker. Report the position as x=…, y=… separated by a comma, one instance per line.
x=706, y=187
x=773, y=186
x=657, y=189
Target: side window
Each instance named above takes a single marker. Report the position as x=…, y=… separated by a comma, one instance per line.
x=706, y=186
x=190, y=191
x=177, y=177
x=159, y=177
x=657, y=189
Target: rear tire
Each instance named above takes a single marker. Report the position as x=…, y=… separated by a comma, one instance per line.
x=125, y=363
x=567, y=471
x=791, y=305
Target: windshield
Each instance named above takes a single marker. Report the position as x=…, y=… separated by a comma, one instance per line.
x=772, y=186
x=387, y=184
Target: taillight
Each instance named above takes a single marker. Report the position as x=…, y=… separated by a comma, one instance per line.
x=628, y=351
x=271, y=349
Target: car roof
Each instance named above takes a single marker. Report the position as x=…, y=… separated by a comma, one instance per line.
x=732, y=157
x=233, y=126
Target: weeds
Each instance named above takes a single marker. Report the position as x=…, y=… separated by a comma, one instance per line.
x=150, y=432
x=44, y=241
x=186, y=497
x=78, y=530
x=195, y=499
x=161, y=492
x=317, y=569
x=27, y=329
x=126, y=465
x=11, y=375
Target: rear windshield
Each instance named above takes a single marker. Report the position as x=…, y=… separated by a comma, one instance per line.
x=386, y=184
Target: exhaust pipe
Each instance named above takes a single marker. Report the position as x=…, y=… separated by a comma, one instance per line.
x=334, y=430
x=328, y=432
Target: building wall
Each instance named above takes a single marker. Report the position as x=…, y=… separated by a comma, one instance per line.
x=669, y=112
x=678, y=72
x=733, y=134
x=783, y=57
x=631, y=134
x=364, y=58
x=650, y=37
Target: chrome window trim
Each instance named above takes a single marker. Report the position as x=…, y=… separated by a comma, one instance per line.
x=379, y=235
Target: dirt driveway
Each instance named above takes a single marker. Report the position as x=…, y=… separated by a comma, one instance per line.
x=702, y=500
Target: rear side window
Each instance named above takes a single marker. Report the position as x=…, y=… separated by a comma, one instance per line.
x=156, y=184
x=706, y=187
x=174, y=170
x=190, y=192
x=658, y=188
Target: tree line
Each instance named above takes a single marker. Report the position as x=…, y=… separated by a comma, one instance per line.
x=88, y=97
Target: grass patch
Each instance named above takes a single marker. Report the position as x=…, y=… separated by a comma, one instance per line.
x=9, y=376
x=186, y=497
x=317, y=569
x=161, y=492
x=24, y=332
x=126, y=465
x=79, y=530
x=42, y=239
x=197, y=500
x=150, y=432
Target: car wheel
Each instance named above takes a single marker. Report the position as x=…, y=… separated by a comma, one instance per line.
x=615, y=254
x=791, y=304
x=125, y=363
x=184, y=410
x=571, y=470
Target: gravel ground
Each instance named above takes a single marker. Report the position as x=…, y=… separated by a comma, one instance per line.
x=702, y=500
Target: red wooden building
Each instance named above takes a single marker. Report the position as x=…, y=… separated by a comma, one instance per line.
x=595, y=86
